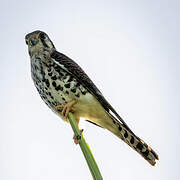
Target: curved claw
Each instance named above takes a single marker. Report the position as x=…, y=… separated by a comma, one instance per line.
x=77, y=138
x=66, y=108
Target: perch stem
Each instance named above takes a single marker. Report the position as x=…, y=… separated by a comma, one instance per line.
x=85, y=149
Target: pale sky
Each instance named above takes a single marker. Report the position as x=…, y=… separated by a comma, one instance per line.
x=130, y=49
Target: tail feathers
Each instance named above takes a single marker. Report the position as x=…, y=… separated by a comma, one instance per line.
x=136, y=143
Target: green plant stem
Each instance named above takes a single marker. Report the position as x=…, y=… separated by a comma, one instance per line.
x=85, y=149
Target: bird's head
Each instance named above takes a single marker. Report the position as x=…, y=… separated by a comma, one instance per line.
x=38, y=41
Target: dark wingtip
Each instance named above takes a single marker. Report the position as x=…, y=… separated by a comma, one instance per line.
x=154, y=155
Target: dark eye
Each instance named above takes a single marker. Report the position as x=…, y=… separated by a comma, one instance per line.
x=26, y=42
x=32, y=42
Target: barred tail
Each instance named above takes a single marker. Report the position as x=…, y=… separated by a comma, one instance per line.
x=135, y=142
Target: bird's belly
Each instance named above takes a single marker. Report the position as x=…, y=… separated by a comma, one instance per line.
x=89, y=108
x=55, y=93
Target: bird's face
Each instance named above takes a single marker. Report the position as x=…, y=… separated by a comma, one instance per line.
x=38, y=41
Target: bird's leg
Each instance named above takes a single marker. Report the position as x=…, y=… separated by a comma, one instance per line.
x=66, y=108
x=77, y=138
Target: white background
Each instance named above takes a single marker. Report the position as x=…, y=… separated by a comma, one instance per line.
x=130, y=49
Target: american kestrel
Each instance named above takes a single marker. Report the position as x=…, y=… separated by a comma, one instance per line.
x=64, y=86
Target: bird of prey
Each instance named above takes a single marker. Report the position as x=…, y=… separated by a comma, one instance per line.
x=64, y=87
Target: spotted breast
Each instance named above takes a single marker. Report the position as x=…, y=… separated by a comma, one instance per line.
x=54, y=84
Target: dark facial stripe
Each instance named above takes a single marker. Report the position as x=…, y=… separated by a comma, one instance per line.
x=44, y=43
x=42, y=37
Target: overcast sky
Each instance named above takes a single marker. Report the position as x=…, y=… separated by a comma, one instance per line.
x=130, y=49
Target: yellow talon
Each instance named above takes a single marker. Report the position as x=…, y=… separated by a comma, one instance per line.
x=66, y=108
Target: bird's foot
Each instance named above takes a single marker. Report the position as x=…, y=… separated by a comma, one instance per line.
x=68, y=107
x=77, y=138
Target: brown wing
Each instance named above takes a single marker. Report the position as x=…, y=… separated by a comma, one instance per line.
x=74, y=69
